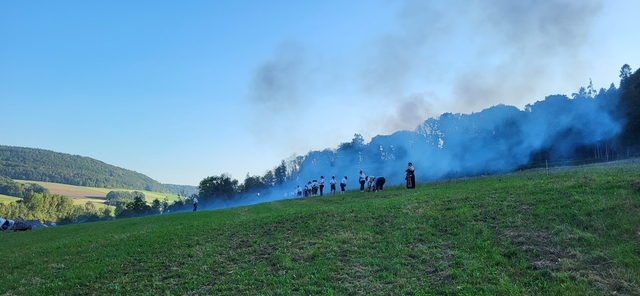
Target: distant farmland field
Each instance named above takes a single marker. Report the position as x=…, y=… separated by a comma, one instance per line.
x=82, y=194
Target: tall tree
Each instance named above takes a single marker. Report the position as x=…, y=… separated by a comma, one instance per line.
x=630, y=106
x=280, y=173
x=268, y=179
x=625, y=72
x=217, y=187
x=252, y=184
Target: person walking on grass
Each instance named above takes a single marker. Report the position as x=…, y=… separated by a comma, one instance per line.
x=195, y=203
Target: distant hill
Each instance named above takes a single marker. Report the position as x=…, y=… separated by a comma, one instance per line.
x=33, y=164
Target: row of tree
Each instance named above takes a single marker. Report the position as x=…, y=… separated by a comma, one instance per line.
x=36, y=202
x=47, y=207
x=11, y=188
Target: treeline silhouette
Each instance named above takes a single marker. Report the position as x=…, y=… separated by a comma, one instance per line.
x=34, y=164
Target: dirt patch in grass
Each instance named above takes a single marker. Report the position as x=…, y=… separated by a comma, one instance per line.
x=542, y=253
x=538, y=248
x=586, y=180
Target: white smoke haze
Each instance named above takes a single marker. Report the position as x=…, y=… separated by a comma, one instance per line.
x=505, y=52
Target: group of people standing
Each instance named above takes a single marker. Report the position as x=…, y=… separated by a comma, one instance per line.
x=374, y=184
x=313, y=187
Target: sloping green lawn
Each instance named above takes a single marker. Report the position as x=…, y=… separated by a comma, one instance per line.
x=573, y=231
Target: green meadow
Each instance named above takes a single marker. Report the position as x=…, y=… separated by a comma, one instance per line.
x=567, y=231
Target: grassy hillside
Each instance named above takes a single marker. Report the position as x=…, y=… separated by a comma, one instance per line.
x=20, y=163
x=574, y=231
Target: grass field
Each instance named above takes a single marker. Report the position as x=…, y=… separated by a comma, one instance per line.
x=6, y=198
x=571, y=231
x=82, y=194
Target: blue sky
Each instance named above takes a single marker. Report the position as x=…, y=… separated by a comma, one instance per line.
x=182, y=90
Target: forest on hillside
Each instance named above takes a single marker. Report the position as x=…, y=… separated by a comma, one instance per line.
x=33, y=164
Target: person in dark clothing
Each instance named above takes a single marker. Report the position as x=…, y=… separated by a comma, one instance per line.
x=195, y=203
x=321, y=183
x=411, y=177
x=379, y=183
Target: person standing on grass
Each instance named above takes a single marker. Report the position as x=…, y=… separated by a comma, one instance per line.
x=343, y=184
x=333, y=182
x=195, y=203
x=362, y=180
x=321, y=183
x=411, y=177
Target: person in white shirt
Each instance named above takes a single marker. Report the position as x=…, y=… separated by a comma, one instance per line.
x=343, y=184
x=195, y=203
x=333, y=182
x=307, y=189
x=362, y=179
x=321, y=183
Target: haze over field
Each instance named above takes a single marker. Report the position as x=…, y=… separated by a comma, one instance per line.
x=180, y=91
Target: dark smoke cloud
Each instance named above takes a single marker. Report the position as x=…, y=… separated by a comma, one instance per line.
x=280, y=84
x=411, y=111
